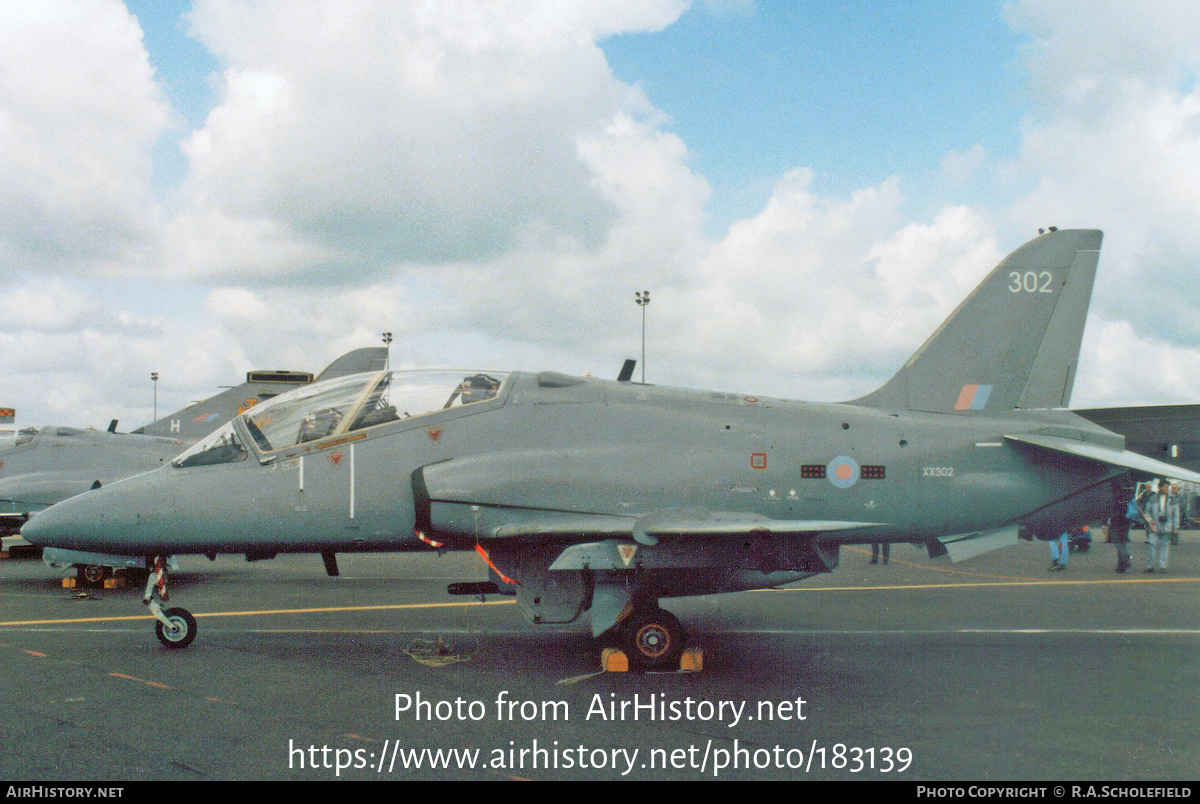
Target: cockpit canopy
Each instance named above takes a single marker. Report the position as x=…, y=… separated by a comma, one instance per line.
x=58, y=435
x=343, y=405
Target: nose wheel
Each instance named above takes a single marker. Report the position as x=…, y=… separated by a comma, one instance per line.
x=652, y=638
x=178, y=630
x=175, y=627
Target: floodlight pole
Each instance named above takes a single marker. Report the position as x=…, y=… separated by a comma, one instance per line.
x=154, y=379
x=387, y=341
x=643, y=299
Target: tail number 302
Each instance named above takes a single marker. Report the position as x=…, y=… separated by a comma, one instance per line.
x=1030, y=282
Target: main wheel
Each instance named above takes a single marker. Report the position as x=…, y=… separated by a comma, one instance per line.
x=653, y=639
x=183, y=629
x=93, y=574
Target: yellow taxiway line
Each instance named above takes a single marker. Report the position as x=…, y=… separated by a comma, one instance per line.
x=198, y=615
x=979, y=584
x=991, y=582
x=418, y=606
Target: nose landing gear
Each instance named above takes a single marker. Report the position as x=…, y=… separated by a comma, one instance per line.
x=176, y=627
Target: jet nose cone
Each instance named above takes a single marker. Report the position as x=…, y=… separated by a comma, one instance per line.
x=45, y=529
x=40, y=530
x=68, y=524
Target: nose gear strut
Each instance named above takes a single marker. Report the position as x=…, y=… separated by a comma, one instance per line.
x=176, y=627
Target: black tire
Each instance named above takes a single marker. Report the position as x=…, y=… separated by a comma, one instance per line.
x=185, y=632
x=653, y=639
x=92, y=574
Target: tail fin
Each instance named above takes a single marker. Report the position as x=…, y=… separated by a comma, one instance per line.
x=202, y=418
x=196, y=421
x=1013, y=343
x=358, y=361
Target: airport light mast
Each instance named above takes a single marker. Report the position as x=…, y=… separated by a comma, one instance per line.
x=387, y=341
x=643, y=299
x=154, y=379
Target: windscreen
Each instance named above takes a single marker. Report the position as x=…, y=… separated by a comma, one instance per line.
x=25, y=435
x=221, y=446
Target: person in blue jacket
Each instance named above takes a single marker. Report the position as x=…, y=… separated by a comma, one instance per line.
x=1162, y=520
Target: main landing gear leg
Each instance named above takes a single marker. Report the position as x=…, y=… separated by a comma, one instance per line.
x=176, y=627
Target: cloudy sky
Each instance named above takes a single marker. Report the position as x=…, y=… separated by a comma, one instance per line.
x=807, y=190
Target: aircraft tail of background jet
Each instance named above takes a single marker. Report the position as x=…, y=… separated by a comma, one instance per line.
x=357, y=361
x=196, y=421
x=1013, y=343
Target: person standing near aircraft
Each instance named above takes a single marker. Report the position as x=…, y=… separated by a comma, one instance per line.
x=1142, y=499
x=1162, y=520
x=1175, y=497
x=1060, y=552
x=1118, y=530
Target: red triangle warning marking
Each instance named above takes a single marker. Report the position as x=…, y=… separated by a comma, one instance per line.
x=627, y=552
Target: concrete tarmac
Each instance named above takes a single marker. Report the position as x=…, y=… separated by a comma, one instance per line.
x=989, y=670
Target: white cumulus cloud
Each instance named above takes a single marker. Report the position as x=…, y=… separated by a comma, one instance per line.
x=354, y=136
x=79, y=114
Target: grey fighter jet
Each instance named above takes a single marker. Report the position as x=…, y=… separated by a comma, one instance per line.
x=582, y=494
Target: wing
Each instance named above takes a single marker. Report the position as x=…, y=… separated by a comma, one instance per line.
x=482, y=521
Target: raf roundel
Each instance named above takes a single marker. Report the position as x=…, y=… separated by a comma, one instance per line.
x=842, y=472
